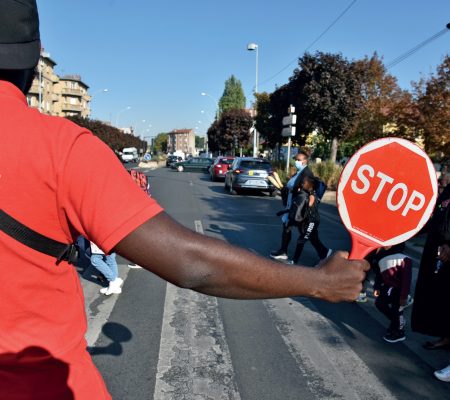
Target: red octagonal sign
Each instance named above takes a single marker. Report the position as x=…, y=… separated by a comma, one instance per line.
x=386, y=194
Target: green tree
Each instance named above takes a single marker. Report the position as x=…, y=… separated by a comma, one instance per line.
x=160, y=143
x=386, y=108
x=199, y=142
x=213, y=137
x=327, y=95
x=112, y=136
x=230, y=132
x=233, y=97
x=433, y=110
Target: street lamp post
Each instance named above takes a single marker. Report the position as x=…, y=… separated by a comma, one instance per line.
x=120, y=112
x=216, y=102
x=95, y=94
x=254, y=47
x=99, y=91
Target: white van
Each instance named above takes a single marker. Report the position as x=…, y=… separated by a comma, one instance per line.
x=130, y=154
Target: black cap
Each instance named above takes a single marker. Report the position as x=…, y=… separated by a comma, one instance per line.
x=20, y=45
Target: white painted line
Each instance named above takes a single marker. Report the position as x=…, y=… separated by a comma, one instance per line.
x=194, y=359
x=198, y=226
x=324, y=358
x=98, y=306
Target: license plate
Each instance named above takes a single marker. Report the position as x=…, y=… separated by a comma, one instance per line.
x=220, y=172
x=256, y=183
x=250, y=173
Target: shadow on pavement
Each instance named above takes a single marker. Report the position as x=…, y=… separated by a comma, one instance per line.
x=118, y=333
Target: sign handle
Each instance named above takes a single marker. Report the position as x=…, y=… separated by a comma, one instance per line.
x=360, y=248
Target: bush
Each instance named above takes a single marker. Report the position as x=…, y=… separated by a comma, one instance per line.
x=280, y=168
x=328, y=171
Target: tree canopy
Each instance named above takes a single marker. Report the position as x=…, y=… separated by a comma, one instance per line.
x=230, y=131
x=113, y=137
x=233, y=97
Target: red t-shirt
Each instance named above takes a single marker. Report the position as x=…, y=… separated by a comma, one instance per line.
x=61, y=181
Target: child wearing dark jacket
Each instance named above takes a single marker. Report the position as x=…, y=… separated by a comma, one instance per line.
x=392, y=286
x=309, y=227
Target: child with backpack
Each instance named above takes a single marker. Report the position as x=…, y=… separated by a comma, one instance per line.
x=308, y=224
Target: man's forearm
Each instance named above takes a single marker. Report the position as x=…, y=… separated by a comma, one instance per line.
x=214, y=267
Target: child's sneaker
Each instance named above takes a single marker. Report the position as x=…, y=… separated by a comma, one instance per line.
x=443, y=374
x=362, y=298
x=278, y=255
x=395, y=336
x=409, y=301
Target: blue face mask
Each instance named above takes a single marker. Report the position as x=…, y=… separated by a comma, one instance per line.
x=299, y=165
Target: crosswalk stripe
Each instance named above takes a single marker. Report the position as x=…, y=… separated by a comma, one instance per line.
x=194, y=359
x=331, y=363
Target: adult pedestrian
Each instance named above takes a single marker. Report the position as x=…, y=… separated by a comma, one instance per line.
x=43, y=350
x=107, y=265
x=431, y=299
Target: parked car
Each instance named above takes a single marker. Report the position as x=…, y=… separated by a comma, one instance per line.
x=193, y=164
x=172, y=160
x=249, y=173
x=220, y=167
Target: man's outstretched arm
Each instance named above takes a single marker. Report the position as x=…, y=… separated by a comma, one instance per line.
x=214, y=267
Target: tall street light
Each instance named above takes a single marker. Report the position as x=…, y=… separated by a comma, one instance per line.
x=254, y=47
x=96, y=93
x=120, y=112
x=216, y=102
x=99, y=91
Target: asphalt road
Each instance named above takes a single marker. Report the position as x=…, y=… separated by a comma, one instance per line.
x=156, y=341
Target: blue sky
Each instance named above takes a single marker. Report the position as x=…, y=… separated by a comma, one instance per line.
x=158, y=56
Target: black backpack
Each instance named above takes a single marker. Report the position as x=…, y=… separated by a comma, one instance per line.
x=299, y=207
x=320, y=187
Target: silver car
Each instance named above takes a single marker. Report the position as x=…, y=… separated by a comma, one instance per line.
x=249, y=173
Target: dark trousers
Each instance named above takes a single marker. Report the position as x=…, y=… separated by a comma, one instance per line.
x=388, y=302
x=308, y=231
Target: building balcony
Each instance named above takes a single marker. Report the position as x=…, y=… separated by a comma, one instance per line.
x=71, y=107
x=72, y=92
x=34, y=89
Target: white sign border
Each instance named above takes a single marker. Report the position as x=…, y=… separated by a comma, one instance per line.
x=345, y=176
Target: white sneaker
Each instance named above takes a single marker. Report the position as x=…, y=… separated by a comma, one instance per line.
x=113, y=288
x=134, y=266
x=362, y=298
x=443, y=374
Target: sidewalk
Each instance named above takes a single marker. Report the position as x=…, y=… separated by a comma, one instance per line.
x=436, y=359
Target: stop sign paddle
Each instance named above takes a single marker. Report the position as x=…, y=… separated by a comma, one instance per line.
x=386, y=194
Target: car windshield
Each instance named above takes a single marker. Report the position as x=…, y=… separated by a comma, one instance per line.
x=127, y=152
x=255, y=165
x=225, y=161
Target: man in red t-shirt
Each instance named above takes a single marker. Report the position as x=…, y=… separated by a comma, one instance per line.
x=42, y=320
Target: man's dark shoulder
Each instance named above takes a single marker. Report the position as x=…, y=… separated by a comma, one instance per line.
x=307, y=172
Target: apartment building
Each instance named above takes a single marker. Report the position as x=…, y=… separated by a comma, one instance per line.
x=44, y=92
x=181, y=139
x=61, y=96
x=73, y=97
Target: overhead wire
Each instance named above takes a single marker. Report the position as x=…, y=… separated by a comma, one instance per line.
x=312, y=44
x=416, y=48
